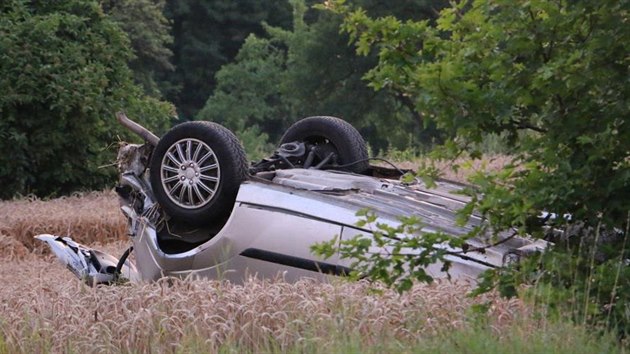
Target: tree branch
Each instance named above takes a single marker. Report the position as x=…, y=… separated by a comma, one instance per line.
x=483, y=248
x=408, y=102
x=526, y=125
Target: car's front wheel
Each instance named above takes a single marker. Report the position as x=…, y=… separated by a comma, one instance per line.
x=196, y=170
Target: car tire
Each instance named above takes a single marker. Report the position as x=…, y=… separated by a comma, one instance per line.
x=346, y=140
x=196, y=170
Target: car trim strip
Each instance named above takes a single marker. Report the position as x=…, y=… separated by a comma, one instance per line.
x=295, y=262
x=292, y=212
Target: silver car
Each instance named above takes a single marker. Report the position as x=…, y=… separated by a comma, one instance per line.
x=196, y=208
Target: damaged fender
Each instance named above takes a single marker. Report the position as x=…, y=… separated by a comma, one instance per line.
x=92, y=266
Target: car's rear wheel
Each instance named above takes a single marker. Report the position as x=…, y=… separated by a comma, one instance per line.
x=331, y=134
x=196, y=170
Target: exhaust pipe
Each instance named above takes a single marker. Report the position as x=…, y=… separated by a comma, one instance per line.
x=143, y=132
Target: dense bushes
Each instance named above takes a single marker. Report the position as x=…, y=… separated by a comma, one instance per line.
x=552, y=78
x=64, y=75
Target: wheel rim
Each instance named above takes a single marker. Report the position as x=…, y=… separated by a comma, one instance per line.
x=190, y=173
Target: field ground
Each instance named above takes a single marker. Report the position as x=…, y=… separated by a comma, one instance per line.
x=43, y=308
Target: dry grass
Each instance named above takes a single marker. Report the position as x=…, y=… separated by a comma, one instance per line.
x=87, y=218
x=467, y=166
x=45, y=309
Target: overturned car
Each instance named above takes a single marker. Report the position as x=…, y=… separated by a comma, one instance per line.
x=196, y=208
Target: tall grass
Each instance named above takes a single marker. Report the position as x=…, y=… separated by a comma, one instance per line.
x=43, y=308
x=412, y=159
x=87, y=218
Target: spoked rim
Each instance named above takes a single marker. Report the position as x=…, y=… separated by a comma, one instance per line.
x=190, y=173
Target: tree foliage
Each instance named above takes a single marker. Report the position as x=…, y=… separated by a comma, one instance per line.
x=64, y=75
x=310, y=70
x=550, y=76
x=207, y=35
x=556, y=70
x=149, y=33
x=249, y=97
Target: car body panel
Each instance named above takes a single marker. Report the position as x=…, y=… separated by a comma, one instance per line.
x=248, y=228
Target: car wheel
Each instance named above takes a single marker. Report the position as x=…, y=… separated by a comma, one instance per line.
x=196, y=170
x=332, y=134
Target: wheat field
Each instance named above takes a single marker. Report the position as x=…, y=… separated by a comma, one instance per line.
x=45, y=309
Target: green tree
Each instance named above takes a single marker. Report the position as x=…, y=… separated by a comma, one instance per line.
x=207, y=35
x=310, y=70
x=551, y=76
x=63, y=76
x=249, y=97
x=149, y=33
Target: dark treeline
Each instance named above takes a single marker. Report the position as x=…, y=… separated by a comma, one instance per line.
x=207, y=35
x=256, y=67
x=259, y=66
